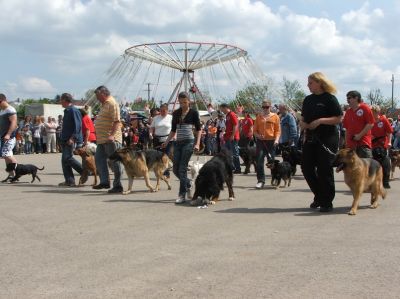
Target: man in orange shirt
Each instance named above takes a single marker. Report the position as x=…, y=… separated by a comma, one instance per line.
x=267, y=131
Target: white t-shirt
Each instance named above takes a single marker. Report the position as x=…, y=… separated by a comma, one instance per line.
x=162, y=126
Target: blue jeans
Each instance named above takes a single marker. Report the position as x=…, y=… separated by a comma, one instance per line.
x=103, y=151
x=28, y=147
x=68, y=163
x=264, y=148
x=182, y=153
x=233, y=147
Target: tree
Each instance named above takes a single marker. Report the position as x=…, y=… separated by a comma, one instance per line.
x=292, y=93
x=375, y=97
x=250, y=96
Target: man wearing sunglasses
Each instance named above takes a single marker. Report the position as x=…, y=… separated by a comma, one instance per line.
x=267, y=131
x=358, y=122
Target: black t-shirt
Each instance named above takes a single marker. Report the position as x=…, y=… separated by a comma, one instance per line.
x=318, y=106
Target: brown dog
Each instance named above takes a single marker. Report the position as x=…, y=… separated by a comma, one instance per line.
x=139, y=163
x=394, y=160
x=361, y=175
x=88, y=165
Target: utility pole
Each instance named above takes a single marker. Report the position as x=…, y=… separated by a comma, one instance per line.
x=392, y=91
x=148, y=92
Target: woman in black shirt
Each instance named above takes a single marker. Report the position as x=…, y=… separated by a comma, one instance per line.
x=321, y=113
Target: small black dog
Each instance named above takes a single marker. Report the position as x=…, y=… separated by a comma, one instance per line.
x=291, y=155
x=20, y=170
x=379, y=154
x=211, y=179
x=280, y=171
x=248, y=153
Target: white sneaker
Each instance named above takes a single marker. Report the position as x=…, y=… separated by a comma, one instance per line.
x=180, y=200
x=259, y=185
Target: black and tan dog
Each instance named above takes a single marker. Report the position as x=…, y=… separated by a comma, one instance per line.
x=394, y=155
x=17, y=170
x=280, y=171
x=139, y=163
x=211, y=179
x=292, y=155
x=88, y=165
x=248, y=153
x=361, y=175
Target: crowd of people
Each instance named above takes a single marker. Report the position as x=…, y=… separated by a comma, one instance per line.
x=317, y=129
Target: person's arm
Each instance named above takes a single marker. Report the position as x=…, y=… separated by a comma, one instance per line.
x=12, y=127
x=364, y=131
x=277, y=130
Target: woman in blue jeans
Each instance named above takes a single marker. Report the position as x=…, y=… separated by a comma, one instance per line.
x=183, y=121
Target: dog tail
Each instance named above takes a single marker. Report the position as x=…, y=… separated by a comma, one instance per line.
x=40, y=168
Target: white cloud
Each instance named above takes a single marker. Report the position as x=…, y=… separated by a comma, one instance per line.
x=36, y=85
x=363, y=19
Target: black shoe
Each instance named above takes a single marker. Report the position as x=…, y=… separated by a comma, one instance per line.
x=325, y=209
x=101, y=186
x=386, y=186
x=237, y=172
x=315, y=205
x=116, y=190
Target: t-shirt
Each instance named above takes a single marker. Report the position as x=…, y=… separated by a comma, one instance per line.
x=230, y=122
x=247, y=123
x=88, y=124
x=379, y=132
x=108, y=114
x=162, y=126
x=5, y=121
x=354, y=122
x=321, y=106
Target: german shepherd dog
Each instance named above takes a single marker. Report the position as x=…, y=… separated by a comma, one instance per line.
x=292, y=155
x=19, y=170
x=139, y=163
x=361, y=175
x=394, y=155
x=88, y=165
x=280, y=171
x=211, y=179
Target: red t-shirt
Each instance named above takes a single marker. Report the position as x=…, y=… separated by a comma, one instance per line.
x=247, y=123
x=231, y=121
x=88, y=124
x=354, y=121
x=381, y=128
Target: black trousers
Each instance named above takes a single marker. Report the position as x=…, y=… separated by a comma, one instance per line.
x=318, y=171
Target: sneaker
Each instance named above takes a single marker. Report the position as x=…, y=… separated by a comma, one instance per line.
x=260, y=185
x=66, y=184
x=239, y=171
x=114, y=190
x=101, y=186
x=180, y=200
x=315, y=205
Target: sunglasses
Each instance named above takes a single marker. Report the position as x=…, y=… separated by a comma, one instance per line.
x=265, y=107
x=349, y=98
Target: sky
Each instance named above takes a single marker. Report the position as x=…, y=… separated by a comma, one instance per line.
x=53, y=46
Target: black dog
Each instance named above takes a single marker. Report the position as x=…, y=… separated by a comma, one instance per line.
x=291, y=155
x=379, y=154
x=20, y=170
x=211, y=179
x=280, y=171
x=248, y=153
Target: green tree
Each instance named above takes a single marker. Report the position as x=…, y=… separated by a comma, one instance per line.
x=251, y=96
x=292, y=93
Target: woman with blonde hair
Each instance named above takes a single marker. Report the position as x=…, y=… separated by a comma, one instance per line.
x=321, y=113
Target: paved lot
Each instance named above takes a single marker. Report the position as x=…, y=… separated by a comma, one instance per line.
x=82, y=243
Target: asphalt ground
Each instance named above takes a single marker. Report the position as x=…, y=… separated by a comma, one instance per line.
x=83, y=243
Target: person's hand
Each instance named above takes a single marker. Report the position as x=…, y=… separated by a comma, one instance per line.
x=357, y=137
x=196, y=147
x=315, y=123
x=6, y=137
x=70, y=141
x=164, y=145
x=110, y=138
x=232, y=137
x=303, y=125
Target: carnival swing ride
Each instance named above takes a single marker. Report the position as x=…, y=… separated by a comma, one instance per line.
x=167, y=68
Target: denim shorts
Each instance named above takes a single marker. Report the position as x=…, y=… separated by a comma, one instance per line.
x=6, y=148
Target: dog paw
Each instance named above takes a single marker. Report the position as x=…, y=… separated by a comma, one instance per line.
x=352, y=213
x=373, y=206
x=231, y=198
x=212, y=202
x=169, y=187
x=126, y=192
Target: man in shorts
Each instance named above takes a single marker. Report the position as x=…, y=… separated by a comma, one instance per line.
x=8, y=129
